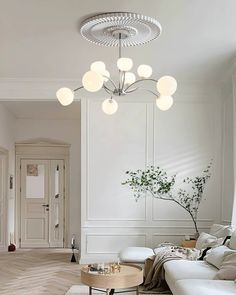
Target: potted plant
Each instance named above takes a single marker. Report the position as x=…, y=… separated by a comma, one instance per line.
x=156, y=182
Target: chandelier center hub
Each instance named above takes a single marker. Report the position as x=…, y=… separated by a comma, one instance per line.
x=120, y=32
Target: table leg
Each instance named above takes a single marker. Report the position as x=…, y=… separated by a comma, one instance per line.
x=90, y=290
x=107, y=291
x=137, y=290
x=111, y=291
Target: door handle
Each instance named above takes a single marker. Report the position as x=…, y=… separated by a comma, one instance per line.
x=45, y=205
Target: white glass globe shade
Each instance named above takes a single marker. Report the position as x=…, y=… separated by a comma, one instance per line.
x=106, y=74
x=129, y=78
x=124, y=64
x=65, y=96
x=109, y=106
x=92, y=81
x=144, y=71
x=166, y=85
x=98, y=66
x=164, y=102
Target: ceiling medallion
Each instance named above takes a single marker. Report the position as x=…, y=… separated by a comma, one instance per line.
x=121, y=29
x=136, y=29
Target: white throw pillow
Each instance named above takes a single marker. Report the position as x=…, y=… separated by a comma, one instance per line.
x=232, y=242
x=216, y=256
x=206, y=240
x=221, y=231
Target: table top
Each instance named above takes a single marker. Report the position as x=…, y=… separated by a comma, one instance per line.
x=130, y=275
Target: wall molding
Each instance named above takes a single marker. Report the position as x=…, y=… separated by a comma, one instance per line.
x=207, y=102
x=112, y=235
x=33, y=89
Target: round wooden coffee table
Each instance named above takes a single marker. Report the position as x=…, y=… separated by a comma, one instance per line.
x=129, y=276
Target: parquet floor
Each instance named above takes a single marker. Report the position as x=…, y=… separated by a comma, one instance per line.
x=37, y=272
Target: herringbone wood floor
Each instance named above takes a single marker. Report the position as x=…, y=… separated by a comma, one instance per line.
x=37, y=272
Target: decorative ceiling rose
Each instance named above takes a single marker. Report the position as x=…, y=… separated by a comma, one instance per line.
x=135, y=29
x=121, y=29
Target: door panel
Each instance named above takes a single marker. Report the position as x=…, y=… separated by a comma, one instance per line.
x=3, y=189
x=34, y=201
x=42, y=203
x=56, y=203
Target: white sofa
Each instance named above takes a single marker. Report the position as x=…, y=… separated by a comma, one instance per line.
x=186, y=277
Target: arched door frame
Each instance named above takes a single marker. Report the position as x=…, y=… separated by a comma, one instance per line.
x=42, y=148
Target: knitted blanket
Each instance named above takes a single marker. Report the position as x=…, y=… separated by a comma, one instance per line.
x=154, y=266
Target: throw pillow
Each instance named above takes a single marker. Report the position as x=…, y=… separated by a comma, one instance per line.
x=227, y=270
x=206, y=240
x=232, y=243
x=221, y=231
x=216, y=256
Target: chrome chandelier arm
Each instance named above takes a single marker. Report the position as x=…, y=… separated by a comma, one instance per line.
x=112, y=82
x=142, y=88
x=108, y=90
x=76, y=89
x=138, y=81
x=150, y=91
x=132, y=90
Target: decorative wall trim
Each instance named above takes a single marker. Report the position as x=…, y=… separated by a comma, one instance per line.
x=149, y=109
x=38, y=89
x=111, y=235
x=143, y=226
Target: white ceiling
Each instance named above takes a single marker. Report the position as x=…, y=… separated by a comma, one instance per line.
x=43, y=110
x=40, y=38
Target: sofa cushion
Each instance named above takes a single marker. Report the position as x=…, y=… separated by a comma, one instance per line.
x=221, y=231
x=135, y=254
x=206, y=240
x=228, y=267
x=216, y=256
x=186, y=269
x=205, y=287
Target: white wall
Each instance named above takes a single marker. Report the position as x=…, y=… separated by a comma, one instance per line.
x=234, y=142
x=183, y=140
x=227, y=161
x=7, y=141
x=69, y=132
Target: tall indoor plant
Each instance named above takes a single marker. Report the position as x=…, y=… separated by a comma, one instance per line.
x=155, y=181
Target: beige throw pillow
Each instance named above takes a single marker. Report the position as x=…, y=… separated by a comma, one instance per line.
x=221, y=231
x=228, y=267
x=216, y=256
x=205, y=240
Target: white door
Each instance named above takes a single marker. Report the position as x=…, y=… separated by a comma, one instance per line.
x=42, y=203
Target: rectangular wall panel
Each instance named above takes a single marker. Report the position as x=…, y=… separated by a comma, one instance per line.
x=113, y=244
x=190, y=139
x=116, y=143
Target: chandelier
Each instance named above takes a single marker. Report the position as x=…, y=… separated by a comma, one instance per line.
x=121, y=29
